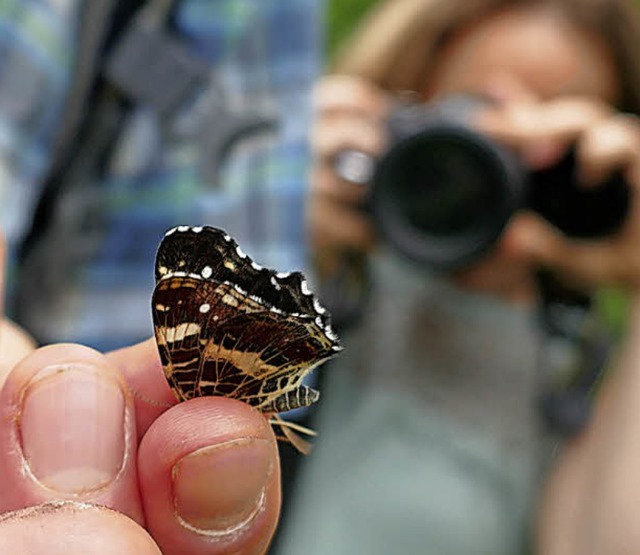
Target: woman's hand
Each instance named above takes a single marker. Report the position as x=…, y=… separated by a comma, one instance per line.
x=349, y=115
x=606, y=141
x=80, y=430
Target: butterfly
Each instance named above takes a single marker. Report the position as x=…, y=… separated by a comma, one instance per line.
x=225, y=325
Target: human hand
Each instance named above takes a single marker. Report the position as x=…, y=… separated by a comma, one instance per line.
x=93, y=430
x=349, y=115
x=606, y=141
x=15, y=343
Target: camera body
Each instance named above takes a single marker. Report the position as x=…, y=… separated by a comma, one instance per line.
x=443, y=192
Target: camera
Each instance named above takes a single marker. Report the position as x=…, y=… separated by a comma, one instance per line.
x=443, y=192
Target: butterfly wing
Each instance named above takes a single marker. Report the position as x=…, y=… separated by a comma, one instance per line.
x=226, y=326
x=211, y=254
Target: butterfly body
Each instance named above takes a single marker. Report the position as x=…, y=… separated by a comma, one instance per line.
x=226, y=326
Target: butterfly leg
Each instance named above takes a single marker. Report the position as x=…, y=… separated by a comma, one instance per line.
x=291, y=436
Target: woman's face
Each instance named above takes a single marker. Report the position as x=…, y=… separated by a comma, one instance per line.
x=521, y=54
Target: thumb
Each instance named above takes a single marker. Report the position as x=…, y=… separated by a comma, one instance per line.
x=67, y=431
x=584, y=262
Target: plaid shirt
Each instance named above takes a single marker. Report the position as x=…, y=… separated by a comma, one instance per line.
x=92, y=275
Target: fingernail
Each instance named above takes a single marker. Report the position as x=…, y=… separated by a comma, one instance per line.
x=220, y=489
x=72, y=428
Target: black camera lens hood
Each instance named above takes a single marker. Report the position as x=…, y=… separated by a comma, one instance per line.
x=498, y=191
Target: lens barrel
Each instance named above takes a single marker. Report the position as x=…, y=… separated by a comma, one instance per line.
x=443, y=196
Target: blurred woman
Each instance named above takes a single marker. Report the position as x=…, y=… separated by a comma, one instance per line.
x=430, y=434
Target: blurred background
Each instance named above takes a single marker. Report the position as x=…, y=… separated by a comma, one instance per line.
x=439, y=424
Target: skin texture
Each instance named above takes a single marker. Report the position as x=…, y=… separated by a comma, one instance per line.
x=72, y=528
x=14, y=342
x=97, y=458
x=103, y=430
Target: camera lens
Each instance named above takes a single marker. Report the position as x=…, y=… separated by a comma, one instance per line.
x=442, y=197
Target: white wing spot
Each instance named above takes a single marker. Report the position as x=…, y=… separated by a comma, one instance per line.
x=255, y=266
x=305, y=288
x=204, y=308
x=241, y=253
x=319, y=308
x=282, y=275
x=237, y=288
x=328, y=330
x=206, y=272
x=197, y=229
x=183, y=228
x=172, y=230
x=162, y=270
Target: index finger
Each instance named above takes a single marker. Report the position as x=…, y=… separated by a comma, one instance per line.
x=140, y=364
x=208, y=468
x=348, y=93
x=519, y=124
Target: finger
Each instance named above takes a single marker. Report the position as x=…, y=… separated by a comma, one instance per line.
x=332, y=135
x=67, y=431
x=140, y=365
x=585, y=263
x=610, y=145
x=342, y=93
x=563, y=119
x=327, y=185
x=210, y=480
x=66, y=528
x=334, y=225
x=15, y=344
x=541, y=132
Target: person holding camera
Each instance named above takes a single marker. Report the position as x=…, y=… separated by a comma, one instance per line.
x=433, y=436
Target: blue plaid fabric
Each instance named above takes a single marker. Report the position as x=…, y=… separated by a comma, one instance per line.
x=261, y=57
x=36, y=42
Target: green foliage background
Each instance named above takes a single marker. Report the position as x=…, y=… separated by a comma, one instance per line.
x=342, y=15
